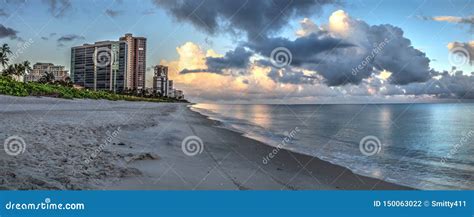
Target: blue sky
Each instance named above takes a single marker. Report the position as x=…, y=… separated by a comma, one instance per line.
x=41, y=19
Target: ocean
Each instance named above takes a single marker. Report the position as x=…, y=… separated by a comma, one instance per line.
x=425, y=146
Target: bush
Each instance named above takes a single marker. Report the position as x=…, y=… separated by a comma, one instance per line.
x=14, y=88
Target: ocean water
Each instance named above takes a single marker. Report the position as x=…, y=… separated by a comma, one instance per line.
x=425, y=146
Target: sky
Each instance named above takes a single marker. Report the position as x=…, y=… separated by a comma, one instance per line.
x=221, y=50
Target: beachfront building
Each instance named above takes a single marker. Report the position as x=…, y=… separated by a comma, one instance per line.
x=160, y=80
x=40, y=69
x=100, y=66
x=163, y=86
x=136, y=62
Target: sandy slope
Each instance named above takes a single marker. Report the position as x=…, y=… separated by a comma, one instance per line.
x=88, y=144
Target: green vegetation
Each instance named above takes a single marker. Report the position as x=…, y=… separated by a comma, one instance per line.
x=47, y=86
x=8, y=86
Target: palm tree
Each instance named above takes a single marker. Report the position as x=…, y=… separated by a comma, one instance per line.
x=26, y=64
x=4, y=52
x=6, y=49
x=3, y=59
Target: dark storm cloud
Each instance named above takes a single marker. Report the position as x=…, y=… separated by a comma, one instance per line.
x=7, y=32
x=336, y=58
x=288, y=76
x=398, y=56
x=303, y=50
x=383, y=47
x=255, y=18
x=238, y=58
x=457, y=86
x=58, y=8
x=68, y=38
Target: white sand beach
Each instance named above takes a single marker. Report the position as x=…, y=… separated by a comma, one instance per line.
x=99, y=144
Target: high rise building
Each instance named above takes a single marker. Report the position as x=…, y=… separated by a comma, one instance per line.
x=40, y=69
x=136, y=63
x=163, y=86
x=160, y=80
x=100, y=66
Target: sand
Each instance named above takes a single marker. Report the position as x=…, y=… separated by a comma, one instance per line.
x=99, y=144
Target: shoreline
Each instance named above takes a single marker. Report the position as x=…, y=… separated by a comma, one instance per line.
x=313, y=159
x=220, y=124
x=145, y=152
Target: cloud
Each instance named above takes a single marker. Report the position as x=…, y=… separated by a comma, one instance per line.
x=68, y=38
x=346, y=51
x=345, y=57
x=113, y=13
x=254, y=18
x=264, y=83
x=332, y=50
x=307, y=27
x=58, y=8
x=7, y=32
x=465, y=50
x=288, y=76
x=456, y=86
x=469, y=20
x=238, y=58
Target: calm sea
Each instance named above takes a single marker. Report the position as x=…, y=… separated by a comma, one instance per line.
x=426, y=146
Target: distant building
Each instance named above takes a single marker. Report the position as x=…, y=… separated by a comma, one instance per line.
x=100, y=66
x=40, y=69
x=170, y=89
x=160, y=80
x=163, y=86
x=136, y=62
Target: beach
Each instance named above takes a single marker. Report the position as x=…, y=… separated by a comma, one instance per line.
x=100, y=144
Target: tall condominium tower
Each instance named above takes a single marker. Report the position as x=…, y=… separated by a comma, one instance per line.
x=136, y=63
x=100, y=66
x=160, y=80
